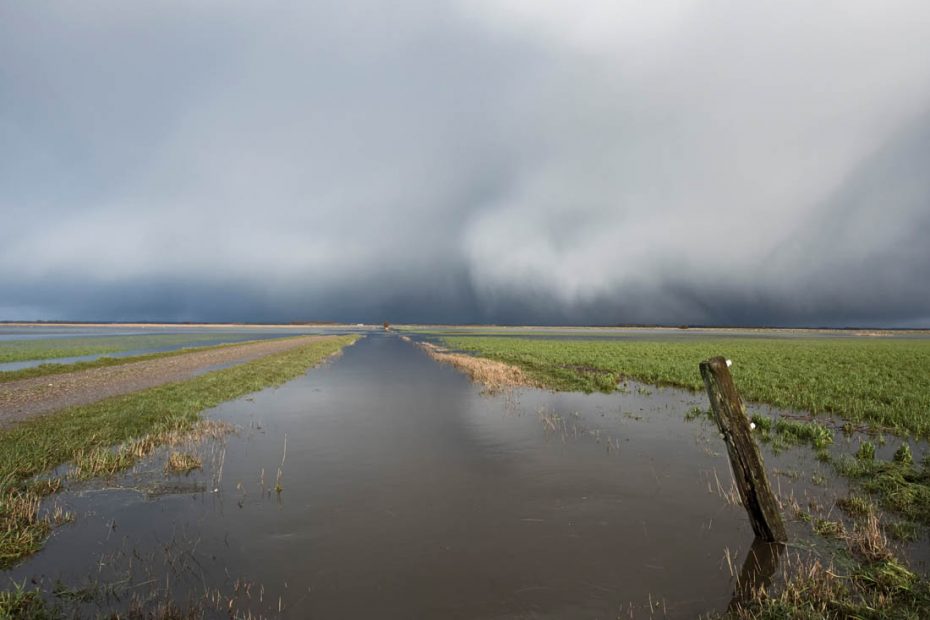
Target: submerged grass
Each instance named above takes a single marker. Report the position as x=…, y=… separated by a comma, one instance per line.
x=899, y=486
x=135, y=423
x=182, y=462
x=884, y=383
x=51, y=348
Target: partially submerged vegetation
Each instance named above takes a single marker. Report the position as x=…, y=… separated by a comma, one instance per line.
x=113, y=434
x=883, y=383
x=860, y=575
x=783, y=432
x=898, y=485
x=105, y=461
x=30, y=603
x=182, y=462
x=22, y=603
x=862, y=578
x=52, y=348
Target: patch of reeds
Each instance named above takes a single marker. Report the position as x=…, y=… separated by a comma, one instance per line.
x=182, y=462
x=22, y=530
x=493, y=375
x=108, y=461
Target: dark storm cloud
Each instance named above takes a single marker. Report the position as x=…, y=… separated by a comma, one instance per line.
x=677, y=162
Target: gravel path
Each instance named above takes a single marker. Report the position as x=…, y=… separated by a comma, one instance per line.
x=29, y=397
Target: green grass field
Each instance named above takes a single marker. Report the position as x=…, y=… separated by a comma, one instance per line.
x=881, y=382
x=54, y=348
x=51, y=368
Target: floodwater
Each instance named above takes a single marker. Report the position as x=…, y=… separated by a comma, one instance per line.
x=198, y=334
x=41, y=332
x=407, y=493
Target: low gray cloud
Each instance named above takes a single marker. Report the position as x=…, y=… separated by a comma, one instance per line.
x=681, y=162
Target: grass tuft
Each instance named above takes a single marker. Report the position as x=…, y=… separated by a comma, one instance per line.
x=22, y=604
x=866, y=451
x=903, y=454
x=182, y=463
x=783, y=432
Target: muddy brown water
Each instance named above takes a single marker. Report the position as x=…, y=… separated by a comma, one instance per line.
x=406, y=493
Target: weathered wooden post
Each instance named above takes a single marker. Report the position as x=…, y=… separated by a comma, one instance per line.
x=748, y=469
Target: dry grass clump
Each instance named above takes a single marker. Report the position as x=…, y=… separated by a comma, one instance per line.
x=493, y=375
x=22, y=530
x=867, y=540
x=22, y=603
x=201, y=431
x=182, y=463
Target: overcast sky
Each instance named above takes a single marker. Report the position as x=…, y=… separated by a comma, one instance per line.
x=477, y=161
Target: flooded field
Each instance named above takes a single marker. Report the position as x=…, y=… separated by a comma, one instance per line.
x=385, y=484
x=137, y=340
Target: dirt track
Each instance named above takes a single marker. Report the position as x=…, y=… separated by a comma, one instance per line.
x=29, y=397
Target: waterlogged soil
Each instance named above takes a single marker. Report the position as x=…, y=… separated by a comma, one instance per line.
x=383, y=484
x=25, y=398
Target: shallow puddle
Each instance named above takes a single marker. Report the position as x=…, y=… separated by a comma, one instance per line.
x=405, y=492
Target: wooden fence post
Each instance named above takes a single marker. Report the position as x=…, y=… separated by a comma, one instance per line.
x=748, y=468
